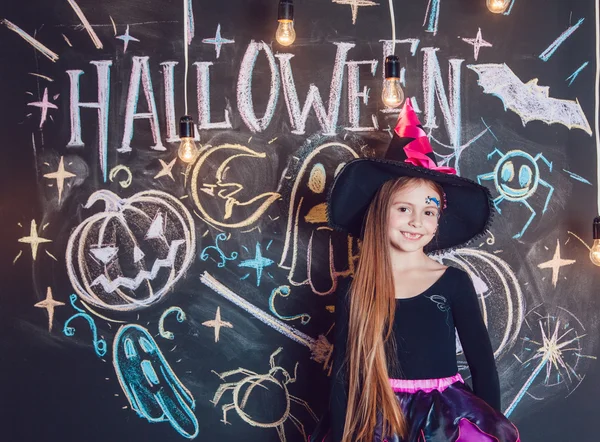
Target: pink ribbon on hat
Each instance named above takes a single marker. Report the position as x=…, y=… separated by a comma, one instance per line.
x=417, y=150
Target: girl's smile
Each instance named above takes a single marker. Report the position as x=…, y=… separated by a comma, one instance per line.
x=413, y=217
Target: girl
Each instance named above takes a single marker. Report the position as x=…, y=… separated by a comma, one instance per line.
x=395, y=374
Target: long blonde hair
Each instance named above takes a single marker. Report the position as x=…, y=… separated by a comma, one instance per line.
x=370, y=328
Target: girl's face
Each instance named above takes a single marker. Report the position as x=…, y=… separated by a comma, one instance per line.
x=413, y=217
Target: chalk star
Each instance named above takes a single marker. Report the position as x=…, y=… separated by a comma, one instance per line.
x=217, y=324
x=60, y=175
x=556, y=263
x=258, y=263
x=49, y=304
x=218, y=41
x=126, y=38
x=355, y=4
x=166, y=169
x=477, y=43
x=33, y=239
x=44, y=105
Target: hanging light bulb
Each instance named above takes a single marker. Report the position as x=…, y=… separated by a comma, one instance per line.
x=498, y=6
x=285, y=34
x=595, y=251
x=187, y=151
x=392, y=94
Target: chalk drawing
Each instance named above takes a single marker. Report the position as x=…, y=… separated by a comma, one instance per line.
x=99, y=343
x=217, y=323
x=60, y=176
x=516, y=177
x=151, y=233
x=49, y=304
x=529, y=100
x=556, y=263
x=153, y=390
x=242, y=393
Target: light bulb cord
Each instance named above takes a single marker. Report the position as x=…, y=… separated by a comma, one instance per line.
x=597, y=106
x=393, y=19
x=186, y=21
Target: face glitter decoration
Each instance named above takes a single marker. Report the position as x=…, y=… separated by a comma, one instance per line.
x=432, y=199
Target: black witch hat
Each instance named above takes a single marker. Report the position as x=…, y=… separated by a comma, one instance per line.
x=469, y=206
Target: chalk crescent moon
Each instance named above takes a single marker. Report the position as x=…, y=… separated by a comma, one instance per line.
x=263, y=201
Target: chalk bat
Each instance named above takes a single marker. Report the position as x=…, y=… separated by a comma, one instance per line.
x=151, y=387
x=528, y=100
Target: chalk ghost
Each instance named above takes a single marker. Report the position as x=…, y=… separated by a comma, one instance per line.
x=315, y=254
x=150, y=385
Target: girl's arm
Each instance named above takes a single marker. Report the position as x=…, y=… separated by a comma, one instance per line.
x=475, y=341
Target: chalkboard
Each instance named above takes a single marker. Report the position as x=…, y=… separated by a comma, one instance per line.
x=144, y=299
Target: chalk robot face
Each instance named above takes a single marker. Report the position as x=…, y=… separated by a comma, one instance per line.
x=128, y=256
x=516, y=176
x=150, y=385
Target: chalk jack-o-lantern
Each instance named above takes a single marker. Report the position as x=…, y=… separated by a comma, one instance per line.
x=128, y=256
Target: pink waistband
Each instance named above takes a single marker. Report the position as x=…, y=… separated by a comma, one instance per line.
x=426, y=385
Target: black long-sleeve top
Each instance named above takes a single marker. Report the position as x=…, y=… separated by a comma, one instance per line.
x=424, y=328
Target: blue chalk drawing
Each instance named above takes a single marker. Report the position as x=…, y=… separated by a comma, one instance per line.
x=517, y=185
x=259, y=263
x=577, y=177
x=218, y=41
x=161, y=322
x=556, y=351
x=99, y=344
x=507, y=12
x=432, y=16
x=489, y=129
x=220, y=237
x=574, y=75
x=150, y=385
x=284, y=291
x=550, y=50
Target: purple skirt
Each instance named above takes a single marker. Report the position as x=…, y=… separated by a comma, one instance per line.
x=446, y=410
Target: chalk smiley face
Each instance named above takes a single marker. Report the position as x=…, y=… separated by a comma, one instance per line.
x=517, y=175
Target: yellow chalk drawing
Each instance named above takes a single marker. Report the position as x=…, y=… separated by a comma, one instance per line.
x=115, y=170
x=18, y=256
x=316, y=215
x=227, y=190
x=274, y=384
x=217, y=323
x=166, y=169
x=317, y=178
x=580, y=240
x=49, y=304
x=60, y=176
x=556, y=263
x=34, y=240
x=491, y=240
x=91, y=310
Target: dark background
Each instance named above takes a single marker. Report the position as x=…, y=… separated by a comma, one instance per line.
x=55, y=387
